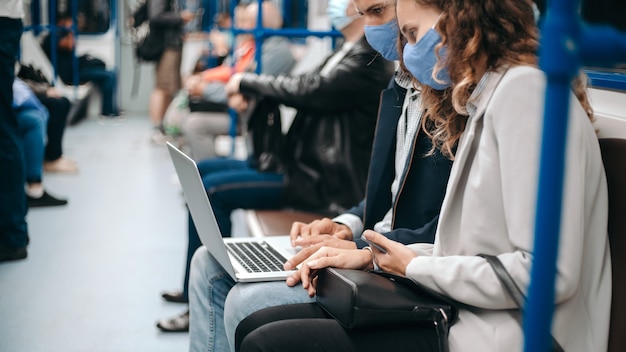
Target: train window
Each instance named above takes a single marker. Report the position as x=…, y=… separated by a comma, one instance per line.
x=606, y=12
x=93, y=16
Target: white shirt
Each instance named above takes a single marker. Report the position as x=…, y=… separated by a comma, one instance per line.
x=408, y=127
x=11, y=8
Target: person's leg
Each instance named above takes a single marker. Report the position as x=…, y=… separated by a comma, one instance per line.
x=219, y=172
x=242, y=189
x=58, y=108
x=107, y=83
x=296, y=327
x=247, y=298
x=306, y=327
x=208, y=286
x=167, y=84
x=13, y=208
x=32, y=124
x=200, y=130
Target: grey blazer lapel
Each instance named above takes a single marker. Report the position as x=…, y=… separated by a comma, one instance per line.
x=468, y=142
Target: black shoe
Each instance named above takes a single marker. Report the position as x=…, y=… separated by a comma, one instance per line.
x=174, y=296
x=8, y=254
x=175, y=324
x=45, y=200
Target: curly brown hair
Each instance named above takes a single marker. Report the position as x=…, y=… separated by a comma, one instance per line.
x=479, y=36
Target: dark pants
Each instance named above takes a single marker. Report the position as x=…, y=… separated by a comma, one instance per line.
x=13, y=208
x=58, y=108
x=232, y=184
x=106, y=81
x=307, y=327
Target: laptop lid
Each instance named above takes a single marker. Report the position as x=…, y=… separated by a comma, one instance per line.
x=208, y=229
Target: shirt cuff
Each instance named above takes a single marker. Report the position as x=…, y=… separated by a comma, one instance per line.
x=353, y=222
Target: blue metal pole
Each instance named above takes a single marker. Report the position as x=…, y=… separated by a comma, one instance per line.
x=74, y=29
x=559, y=60
x=52, y=27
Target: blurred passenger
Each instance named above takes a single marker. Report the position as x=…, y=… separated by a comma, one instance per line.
x=405, y=188
x=488, y=53
x=200, y=129
x=32, y=118
x=90, y=69
x=13, y=207
x=58, y=109
x=345, y=88
x=220, y=41
x=168, y=20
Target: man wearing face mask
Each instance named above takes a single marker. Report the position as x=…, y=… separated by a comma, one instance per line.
x=405, y=186
x=345, y=88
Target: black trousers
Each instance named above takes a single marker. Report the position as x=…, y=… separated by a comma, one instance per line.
x=307, y=327
x=13, y=228
x=58, y=108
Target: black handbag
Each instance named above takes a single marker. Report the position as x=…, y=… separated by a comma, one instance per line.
x=151, y=47
x=362, y=299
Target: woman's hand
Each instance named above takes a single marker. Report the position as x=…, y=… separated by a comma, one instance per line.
x=325, y=257
x=397, y=257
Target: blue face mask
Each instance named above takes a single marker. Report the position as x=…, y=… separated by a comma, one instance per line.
x=384, y=39
x=336, y=11
x=420, y=59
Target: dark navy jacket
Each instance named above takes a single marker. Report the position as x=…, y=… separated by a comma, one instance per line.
x=421, y=190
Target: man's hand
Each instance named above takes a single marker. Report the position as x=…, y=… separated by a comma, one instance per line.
x=194, y=85
x=232, y=87
x=238, y=102
x=319, y=227
x=329, y=257
x=52, y=93
x=187, y=15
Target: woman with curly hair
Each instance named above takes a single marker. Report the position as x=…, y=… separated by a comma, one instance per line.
x=485, y=51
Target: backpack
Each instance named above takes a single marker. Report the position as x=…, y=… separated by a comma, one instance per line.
x=148, y=46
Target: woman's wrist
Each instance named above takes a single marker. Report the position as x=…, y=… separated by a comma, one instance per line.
x=374, y=266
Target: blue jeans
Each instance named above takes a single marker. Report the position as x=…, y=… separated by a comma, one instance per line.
x=232, y=184
x=13, y=208
x=217, y=304
x=106, y=81
x=32, y=124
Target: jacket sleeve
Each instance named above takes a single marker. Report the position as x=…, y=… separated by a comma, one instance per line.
x=358, y=210
x=356, y=72
x=425, y=234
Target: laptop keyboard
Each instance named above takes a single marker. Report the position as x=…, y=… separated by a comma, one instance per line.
x=256, y=257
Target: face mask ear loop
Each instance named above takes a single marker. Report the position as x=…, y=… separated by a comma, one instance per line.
x=437, y=21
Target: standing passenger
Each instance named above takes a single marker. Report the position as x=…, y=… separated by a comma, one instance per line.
x=165, y=17
x=13, y=228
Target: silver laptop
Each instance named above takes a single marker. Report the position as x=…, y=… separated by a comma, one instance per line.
x=246, y=259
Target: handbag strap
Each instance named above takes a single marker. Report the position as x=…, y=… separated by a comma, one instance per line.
x=513, y=290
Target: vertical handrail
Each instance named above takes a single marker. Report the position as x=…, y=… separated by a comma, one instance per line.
x=75, y=66
x=565, y=45
x=52, y=27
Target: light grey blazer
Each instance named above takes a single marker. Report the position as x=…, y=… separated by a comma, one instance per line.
x=490, y=208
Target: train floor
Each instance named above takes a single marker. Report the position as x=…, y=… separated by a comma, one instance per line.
x=96, y=267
